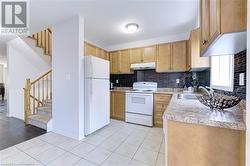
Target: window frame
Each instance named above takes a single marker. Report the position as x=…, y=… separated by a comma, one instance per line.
x=225, y=88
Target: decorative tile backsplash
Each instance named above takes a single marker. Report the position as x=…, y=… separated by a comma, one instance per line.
x=164, y=80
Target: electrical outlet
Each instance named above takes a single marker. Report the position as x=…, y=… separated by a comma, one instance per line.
x=177, y=81
x=241, y=79
x=117, y=81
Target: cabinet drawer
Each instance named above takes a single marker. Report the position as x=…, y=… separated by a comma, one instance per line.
x=162, y=98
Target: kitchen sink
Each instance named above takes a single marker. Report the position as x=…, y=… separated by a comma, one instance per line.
x=187, y=96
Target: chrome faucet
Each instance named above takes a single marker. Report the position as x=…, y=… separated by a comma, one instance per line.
x=210, y=92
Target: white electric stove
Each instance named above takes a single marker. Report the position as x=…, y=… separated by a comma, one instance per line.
x=140, y=103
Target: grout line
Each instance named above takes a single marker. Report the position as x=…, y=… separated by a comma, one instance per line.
x=96, y=146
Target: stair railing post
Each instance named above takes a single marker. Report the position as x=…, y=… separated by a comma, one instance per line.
x=27, y=112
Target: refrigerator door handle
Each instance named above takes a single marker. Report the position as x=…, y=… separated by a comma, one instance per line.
x=91, y=68
x=91, y=88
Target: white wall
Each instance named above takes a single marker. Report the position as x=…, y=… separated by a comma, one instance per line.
x=142, y=43
x=248, y=88
x=67, y=77
x=3, y=49
x=23, y=63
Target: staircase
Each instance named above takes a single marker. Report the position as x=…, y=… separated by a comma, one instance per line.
x=43, y=116
x=38, y=93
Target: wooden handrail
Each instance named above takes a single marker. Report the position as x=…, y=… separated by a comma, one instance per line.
x=39, y=78
x=37, y=100
x=44, y=40
x=36, y=93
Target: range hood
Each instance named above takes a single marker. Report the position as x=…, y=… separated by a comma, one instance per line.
x=143, y=66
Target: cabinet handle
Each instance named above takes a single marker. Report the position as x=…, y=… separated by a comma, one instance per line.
x=204, y=42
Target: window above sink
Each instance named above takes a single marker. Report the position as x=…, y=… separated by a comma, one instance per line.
x=222, y=72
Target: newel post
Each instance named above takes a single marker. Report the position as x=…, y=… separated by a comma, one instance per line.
x=27, y=100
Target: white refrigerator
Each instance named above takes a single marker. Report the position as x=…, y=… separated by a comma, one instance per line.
x=96, y=94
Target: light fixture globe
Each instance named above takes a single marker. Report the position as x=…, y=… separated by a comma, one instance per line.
x=132, y=27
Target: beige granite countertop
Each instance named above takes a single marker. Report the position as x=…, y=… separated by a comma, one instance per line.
x=121, y=89
x=159, y=90
x=192, y=111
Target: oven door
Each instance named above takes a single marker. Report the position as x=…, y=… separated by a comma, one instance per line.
x=139, y=103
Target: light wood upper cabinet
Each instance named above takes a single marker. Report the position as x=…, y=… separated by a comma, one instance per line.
x=149, y=54
x=214, y=20
x=204, y=23
x=89, y=49
x=194, y=60
x=219, y=17
x=135, y=55
x=117, y=105
x=163, y=60
x=102, y=54
x=172, y=57
x=179, y=56
x=114, y=62
x=233, y=15
x=143, y=55
x=124, y=61
x=120, y=62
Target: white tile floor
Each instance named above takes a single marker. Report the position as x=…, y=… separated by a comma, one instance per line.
x=118, y=144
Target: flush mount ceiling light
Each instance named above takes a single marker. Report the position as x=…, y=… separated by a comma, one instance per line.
x=132, y=27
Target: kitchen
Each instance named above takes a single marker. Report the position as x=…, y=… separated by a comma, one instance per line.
x=156, y=85
x=142, y=83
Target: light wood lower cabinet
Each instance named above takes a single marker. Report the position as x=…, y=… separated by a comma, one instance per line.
x=117, y=105
x=161, y=101
x=201, y=145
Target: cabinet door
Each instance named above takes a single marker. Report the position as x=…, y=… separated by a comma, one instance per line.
x=149, y=54
x=106, y=55
x=102, y=54
x=135, y=55
x=98, y=52
x=112, y=100
x=119, y=105
x=124, y=62
x=179, y=56
x=160, y=103
x=204, y=23
x=189, y=52
x=114, y=60
x=163, y=61
x=214, y=22
x=196, y=60
x=90, y=49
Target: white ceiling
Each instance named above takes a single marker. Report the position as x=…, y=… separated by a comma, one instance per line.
x=159, y=20
x=104, y=19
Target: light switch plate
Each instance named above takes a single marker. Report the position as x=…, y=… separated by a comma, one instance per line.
x=67, y=76
x=241, y=79
x=177, y=81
